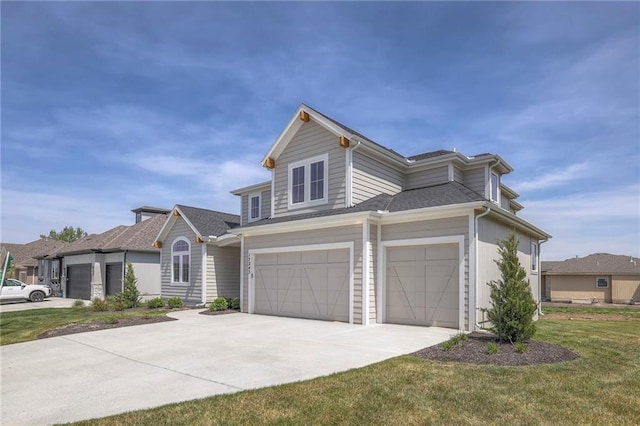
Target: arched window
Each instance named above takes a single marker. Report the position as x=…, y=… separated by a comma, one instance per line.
x=180, y=265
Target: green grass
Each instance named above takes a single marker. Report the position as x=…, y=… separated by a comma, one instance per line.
x=22, y=326
x=627, y=312
x=602, y=387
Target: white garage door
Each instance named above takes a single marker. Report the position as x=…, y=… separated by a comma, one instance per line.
x=422, y=286
x=307, y=284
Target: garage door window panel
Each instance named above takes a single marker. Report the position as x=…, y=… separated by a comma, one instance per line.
x=180, y=267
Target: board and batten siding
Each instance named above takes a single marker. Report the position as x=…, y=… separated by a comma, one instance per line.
x=475, y=179
x=223, y=272
x=352, y=233
x=146, y=267
x=424, y=178
x=192, y=293
x=265, y=205
x=435, y=228
x=310, y=141
x=489, y=232
x=372, y=177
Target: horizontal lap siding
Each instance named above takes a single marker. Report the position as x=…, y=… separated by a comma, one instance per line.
x=244, y=209
x=426, y=178
x=625, y=288
x=371, y=178
x=265, y=205
x=301, y=238
x=435, y=228
x=223, y=272
x=193, y=292
x=578, y=287
x=265, y=200
x=458, y=175
x=475, y=179
x=310, y=141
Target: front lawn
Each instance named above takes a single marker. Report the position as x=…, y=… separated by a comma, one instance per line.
x=601, y=387
x=22, y=326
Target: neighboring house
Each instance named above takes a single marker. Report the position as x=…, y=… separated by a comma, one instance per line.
x=599, y=277
x=348, y=230
x=199, y=260
x=25, y=266
x=94, y=266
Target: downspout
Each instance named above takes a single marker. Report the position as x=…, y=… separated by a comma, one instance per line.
x=498, y=161
x=475, y=238
x=349, y=171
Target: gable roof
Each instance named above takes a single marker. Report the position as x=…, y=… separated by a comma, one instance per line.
x=597, y=263
x=204, y=223
x=138, y=237
x=25, y=254
x=340, y=129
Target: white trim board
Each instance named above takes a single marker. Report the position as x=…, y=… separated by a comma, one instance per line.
x=382, y=278
x=311, y=247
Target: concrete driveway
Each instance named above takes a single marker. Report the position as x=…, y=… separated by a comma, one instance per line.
x=24, y=305
x=96, y=374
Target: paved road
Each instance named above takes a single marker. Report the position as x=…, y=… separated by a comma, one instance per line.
x=96, y=374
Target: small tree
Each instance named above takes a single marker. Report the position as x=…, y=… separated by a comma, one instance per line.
x=130, y=295
x=512, y=304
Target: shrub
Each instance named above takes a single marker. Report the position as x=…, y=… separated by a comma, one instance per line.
x=233, y=303
x=492, y=348
x=99, y=304
x=78, y=303
x=156, y=302
x=130, y=295
x=116, y=302
x=512, y=304
x=448, y=345
x=521, y=347
x=175, y=302
x=219, y=304
x=110, y=320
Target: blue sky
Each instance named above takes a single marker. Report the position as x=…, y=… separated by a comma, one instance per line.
x=110, y=106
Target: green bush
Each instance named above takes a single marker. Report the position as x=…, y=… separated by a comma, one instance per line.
x=521, y=347
x=156, y=302
x=219, y=304
x=175, y=302
x=512, y=304
x=78, y=304
x=492, y=348
x=116, y=302
x=99, y=304
x=448, y=345
x=110, y=320
x=130, y=295
x=233, y=303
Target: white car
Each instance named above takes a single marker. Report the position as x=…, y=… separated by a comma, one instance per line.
x=14, y=289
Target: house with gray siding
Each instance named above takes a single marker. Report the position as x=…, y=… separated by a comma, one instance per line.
x=94, y=266
x=348, y=230
x=199, y=260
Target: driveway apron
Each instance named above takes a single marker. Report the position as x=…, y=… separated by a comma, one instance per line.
x=89, y=375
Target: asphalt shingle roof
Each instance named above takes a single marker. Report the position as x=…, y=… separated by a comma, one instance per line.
x=210, y=222
x=432, y=196
x=597, y=263
x=25, y=254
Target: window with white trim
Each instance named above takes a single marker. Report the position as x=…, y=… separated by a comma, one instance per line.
x=180, y=261
x=495, y=187
x=254, y=207
x=534, y=257
x=308, y=182
x=602, y=282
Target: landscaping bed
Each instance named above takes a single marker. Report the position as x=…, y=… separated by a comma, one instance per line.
x=226, y=311
x=102, y=325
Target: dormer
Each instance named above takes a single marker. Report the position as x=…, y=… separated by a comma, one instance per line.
x=147, y=212
x=255, y=202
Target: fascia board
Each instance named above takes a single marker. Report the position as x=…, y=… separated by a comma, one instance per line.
x=168, y=224
x=193, y=228
x=226, y=240
x=428, y=213
x=304, y=224
x=510, y=192
x=521, y=223
x=250, y=188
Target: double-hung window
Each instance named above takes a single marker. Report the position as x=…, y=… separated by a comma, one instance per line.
x=254, y=207
x=602, y=282
x=495, y=187
x=308, y=182
x=180, y=265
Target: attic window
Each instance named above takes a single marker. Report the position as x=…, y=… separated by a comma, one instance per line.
x=307, y=182
x=254, y=207
x=495, y=187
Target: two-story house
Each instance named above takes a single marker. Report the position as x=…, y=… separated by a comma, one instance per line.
x=348, y=230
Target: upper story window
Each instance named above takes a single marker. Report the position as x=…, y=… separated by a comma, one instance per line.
x=180, y=265
x=534, y=257
x=495, y=187
x=308, y=182
x=254, y=207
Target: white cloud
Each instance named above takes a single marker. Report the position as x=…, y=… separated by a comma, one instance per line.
x=557, y=177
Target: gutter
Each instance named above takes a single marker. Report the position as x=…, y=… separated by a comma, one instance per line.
x=475, y=239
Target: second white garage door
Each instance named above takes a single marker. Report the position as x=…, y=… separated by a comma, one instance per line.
x=307, y=284
x=422, y=286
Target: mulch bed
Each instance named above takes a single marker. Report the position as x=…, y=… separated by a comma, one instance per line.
x=101, y=325
x=226, y=311
x=474, y=351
